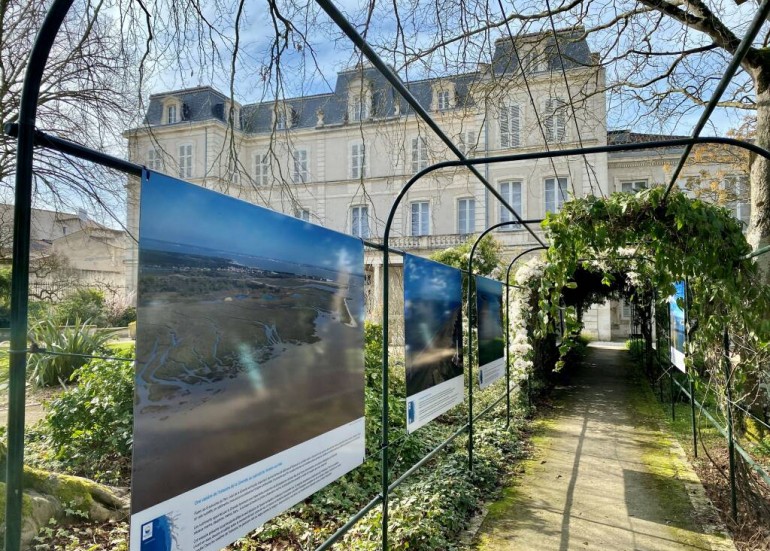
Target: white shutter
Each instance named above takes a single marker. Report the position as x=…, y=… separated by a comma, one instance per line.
x=549, y=135
x=505, y=137
x=415, y=154
x=561, y=121
x=514, y=126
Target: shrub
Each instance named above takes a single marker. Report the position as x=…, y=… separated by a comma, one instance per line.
x=81, y=305
x=68, y=345
x=89, y=426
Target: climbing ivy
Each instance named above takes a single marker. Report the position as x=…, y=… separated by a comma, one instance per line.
x=636, y=246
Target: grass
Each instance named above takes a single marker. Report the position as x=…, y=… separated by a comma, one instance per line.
x=122, y=346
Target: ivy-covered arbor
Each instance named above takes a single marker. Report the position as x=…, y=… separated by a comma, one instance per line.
x=636, y=246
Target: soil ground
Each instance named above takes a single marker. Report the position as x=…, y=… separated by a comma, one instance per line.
x=605, y=474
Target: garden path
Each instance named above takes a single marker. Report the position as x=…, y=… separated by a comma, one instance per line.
x=606, y=474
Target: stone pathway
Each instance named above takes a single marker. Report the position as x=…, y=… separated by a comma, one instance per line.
x=605, y=476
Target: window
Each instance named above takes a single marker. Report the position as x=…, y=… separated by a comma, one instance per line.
x=626, y=312
x=262, y=169
x=467, y=143
x=302, y=214
x=360, y=106
x=154, y=159
x=632, y=186
x=739, y=200
x=185, y=161
x=281, y=120
x=466, y=216
x=358, y=167
x=420, y=218
x=299, y=171
x=171, y=114
x=511, y=192
x=233, y=175
x=555, y=193
x=443, y=100
x=359, y=221
x=555, y=120
x=509, y=126
x=529, y=61
x=419, y=154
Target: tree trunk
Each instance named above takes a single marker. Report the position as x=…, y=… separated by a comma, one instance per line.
x=759, y=227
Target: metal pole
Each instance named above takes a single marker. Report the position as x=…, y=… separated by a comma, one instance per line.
x=384, y=475
x=692, y=412
x=730, y=440
x=470, y=329
x=507, y=355
x=673, y=408
x=20, y=269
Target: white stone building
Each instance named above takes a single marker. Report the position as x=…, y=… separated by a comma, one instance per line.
x=339, y=159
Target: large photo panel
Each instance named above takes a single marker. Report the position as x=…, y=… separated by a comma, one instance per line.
x=676, y=303
x=250, y=370
x=489, y=312
x=433, y=339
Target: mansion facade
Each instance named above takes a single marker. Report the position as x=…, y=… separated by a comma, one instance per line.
x=339, y=159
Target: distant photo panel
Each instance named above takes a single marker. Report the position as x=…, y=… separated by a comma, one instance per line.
x=433, y=339
x=489, y=312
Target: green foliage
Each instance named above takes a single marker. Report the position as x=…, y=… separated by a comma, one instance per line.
x=120, y=317
x=637, y=349
x=486, y=258
x=89, y=426
x=81, y=305
x=5, y=297
x=68, y=345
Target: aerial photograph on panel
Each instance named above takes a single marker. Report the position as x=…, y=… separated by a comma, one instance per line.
x=489, y=295
x=432, y=323
x=250, y=336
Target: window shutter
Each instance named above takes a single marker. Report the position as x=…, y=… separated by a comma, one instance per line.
x=354, y=161
x=415, y=155
x=549, y=120
x=505, y=138
x=514, y=126
x=561, y=122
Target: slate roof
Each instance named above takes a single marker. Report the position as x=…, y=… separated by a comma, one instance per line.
x=205, y=103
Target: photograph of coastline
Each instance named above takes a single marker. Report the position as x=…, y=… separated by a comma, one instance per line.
x=432, y=323
x=489, y=311
x=678, y=331
x=249, y=336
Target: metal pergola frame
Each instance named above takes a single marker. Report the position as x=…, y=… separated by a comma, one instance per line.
x=28, y=137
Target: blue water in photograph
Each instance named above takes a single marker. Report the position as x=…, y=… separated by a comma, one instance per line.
x=677, y=316
x=432, y=323
x=489, y=308
x=249, y=336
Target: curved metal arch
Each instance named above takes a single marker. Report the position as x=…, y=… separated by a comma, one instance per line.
x=481, y=236
x=20, y=267
x=508, y=329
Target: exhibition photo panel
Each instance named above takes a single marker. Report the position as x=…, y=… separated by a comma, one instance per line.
x=677, y=306
x=250, y=369
x=433, y=339
x=489, y=313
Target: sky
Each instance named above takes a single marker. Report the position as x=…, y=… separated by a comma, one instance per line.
x=178, y=212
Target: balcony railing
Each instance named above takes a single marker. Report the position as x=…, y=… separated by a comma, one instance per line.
x=425, y=242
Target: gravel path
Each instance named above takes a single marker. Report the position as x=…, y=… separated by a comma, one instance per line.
x=605, y=475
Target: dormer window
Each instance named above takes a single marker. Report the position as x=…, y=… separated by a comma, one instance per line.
x=443, y=100
x=360, y=109
x=443, y=96
x=284, y=117
x=359, y=101
x=171, y=114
